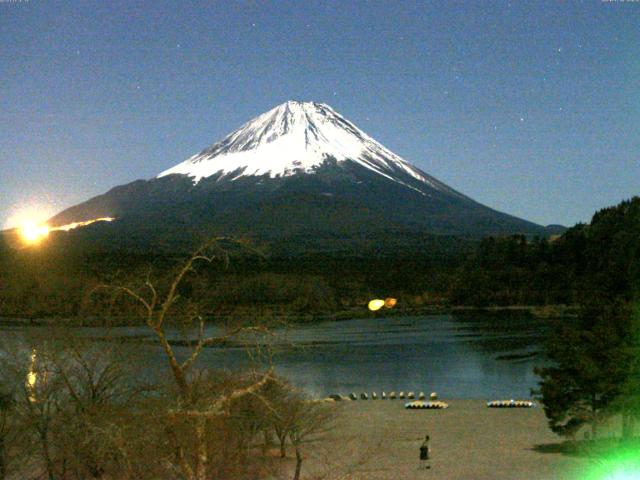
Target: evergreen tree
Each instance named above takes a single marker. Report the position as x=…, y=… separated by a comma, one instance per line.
x=591, y=364
x=628, y=402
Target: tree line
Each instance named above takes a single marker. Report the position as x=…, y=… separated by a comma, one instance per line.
x=54, y=279
x=51, y=281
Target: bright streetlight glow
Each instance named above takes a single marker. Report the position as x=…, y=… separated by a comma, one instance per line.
x=32, y=232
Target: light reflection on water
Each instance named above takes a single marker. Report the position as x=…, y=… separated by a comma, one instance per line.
x=459, y=357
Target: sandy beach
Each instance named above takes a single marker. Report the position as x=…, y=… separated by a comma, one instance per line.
x=379, y=439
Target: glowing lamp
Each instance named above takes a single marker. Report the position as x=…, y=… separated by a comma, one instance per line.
x=376, y=304
x=31, y=232
x=390, y=302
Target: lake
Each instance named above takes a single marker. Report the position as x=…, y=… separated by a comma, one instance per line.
x=468, y=356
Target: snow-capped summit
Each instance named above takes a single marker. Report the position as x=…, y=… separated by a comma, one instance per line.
x=298, y=137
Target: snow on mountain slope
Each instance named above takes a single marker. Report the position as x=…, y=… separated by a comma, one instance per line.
x=298, y=137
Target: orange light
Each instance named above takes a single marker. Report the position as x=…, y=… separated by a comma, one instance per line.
x=390, y=302
x=32, y=232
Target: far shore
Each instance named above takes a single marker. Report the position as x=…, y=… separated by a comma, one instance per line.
x=538, y=311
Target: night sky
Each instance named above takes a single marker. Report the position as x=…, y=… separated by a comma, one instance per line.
x=530, y=108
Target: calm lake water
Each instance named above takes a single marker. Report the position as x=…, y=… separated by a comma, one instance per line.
x=468, y=356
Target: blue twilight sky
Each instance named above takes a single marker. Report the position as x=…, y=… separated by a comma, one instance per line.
x=532, y=108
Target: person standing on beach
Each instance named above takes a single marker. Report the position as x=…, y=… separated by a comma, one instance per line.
x=424, y=454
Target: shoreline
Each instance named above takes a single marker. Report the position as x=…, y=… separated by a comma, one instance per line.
x=538, y=311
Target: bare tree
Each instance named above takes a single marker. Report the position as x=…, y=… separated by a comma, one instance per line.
x=191, y=409
x=98, y=387
x=310, y=418
x=66, y=389
x=295, y=417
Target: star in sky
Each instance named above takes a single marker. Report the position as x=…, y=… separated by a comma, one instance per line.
x=481, y=59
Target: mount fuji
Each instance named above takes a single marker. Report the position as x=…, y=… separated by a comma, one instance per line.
x=298, y=137
x=298, y=170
